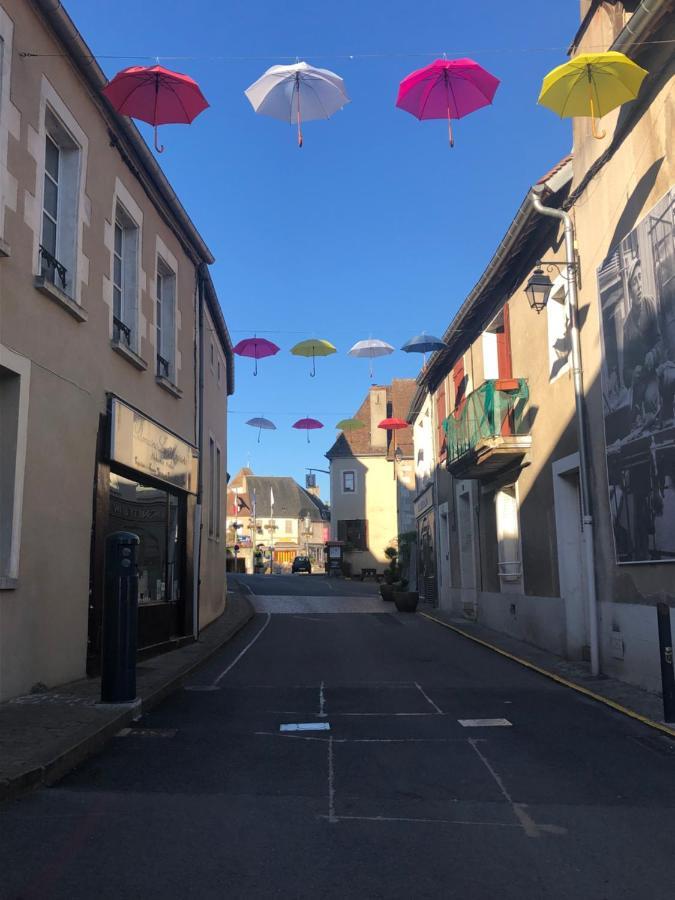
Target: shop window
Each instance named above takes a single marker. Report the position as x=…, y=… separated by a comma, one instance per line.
x=165, y=321
x=353, y=532
x=349, y=482
x=125, y=279
x=60, y=222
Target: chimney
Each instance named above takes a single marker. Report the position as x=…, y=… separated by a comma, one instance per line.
x=378, y=411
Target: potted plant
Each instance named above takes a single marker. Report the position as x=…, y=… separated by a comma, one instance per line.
x=258, y=562
x=405, y=599
x=391, y=574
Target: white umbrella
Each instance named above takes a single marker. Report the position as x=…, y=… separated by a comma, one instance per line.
x=371, y=349
x=296, y=93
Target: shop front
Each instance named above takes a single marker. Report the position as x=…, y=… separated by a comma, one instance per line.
x=146, y=484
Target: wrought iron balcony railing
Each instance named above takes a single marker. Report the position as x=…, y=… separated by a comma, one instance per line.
x=121, y=332
x=162, y=366
x=494, y=409
x=50, y=267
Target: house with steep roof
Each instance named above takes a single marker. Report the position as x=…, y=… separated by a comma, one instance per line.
x=372, y=478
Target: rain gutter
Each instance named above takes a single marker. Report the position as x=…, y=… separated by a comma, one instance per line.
x=640, y=24
x=151, y=176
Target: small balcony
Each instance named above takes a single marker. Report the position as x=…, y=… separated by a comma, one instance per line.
x=486, y=434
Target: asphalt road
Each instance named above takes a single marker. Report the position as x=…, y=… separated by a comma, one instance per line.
x=208, y=798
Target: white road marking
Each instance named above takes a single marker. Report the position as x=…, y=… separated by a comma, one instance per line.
x=306, y=726
x=245, y=650
x=429, y=700
x=200, y=687
x=300, y=737
x=417, y=821
x=322, y=702
x=331, y=783
x=484, y=723
x=527, y=823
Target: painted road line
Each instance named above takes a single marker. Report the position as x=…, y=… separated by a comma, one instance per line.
x=484, y=723
x=659, y=726
x=306, y=726
x=429, y=700
x=245, y=650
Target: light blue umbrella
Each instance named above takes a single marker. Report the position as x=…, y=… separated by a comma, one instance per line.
x=261, y=423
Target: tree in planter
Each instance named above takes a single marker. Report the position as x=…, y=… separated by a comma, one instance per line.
x=393, y=571
x=405, y=599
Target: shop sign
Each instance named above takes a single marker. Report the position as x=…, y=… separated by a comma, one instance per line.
x=424, y=501
x=142, y=445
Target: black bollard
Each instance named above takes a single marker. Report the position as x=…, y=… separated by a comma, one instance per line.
x=120, y=619
x=666, y=655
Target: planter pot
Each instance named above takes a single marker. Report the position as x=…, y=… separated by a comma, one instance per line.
x=406, y=601
x=387, y=592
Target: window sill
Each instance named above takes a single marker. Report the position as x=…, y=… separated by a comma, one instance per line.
x=130, y=355
x=7, y=583
x=54, y=293
x=169, y=386
x=4, y=249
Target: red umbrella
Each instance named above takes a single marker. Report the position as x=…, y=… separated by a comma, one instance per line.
x=392, y=424
x=447, y=88
x=155, y=95
x=257, y=348
x=308, y=425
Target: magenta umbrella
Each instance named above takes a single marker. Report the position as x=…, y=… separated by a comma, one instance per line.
x=447, y=89
x=308, y=425
x=257, y=348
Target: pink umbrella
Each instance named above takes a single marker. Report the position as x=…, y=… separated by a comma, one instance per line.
x=257, y=348
x=308, y=425
x=155, y=95
x=447, y=89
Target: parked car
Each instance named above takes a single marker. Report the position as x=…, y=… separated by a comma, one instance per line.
x=302, y=564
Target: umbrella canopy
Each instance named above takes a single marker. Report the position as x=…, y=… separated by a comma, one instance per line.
x=313, y=347
x=370, y=349
x=393, y=424
x=592, y=84
x=308, y=425
x=155, y=95
x=447, y=89
x=262, y=424
x=424, y=343
x=257, y=348
x=297, y=92
x=350, y=424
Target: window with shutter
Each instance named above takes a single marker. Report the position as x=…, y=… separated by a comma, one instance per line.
x=440, y=416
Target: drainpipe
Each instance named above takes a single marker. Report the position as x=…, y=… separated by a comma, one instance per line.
x=584, y=470
x=197, y=543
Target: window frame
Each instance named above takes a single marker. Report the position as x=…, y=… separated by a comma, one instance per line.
x=125, y=329
x=165, y=319
x=345, y=489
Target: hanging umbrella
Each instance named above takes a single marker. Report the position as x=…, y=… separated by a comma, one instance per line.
x=393, y=424
x=296, y=93
x=313, y=347
x=261, y=423
x=370, y=349
x=350, y=424
x=155, y=95
x=592, y=84
x=447, y=89
x=423, y=343
x=257, y=348
x=308, y=425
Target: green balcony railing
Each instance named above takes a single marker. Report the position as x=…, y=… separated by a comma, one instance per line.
x=495, y=408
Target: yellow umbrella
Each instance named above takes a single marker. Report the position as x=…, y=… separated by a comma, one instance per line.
x=592, y=84
x=313, y=347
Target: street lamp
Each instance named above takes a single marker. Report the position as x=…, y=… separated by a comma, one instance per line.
x=538, y=288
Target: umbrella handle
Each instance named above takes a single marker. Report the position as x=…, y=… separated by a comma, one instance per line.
x=158, y=148
x=451, y=139
x=599, y=135
x=255, y=369
x=259, y=431
x=313, y=372
x=297, y=87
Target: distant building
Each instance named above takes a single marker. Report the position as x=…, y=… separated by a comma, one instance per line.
x=372, y=478
x=275, y=518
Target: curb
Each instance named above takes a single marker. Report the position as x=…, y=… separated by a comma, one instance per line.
x=658, y=726
x=54, y=770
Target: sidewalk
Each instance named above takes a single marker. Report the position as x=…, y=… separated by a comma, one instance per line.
x=625, y=698
x=44, y=736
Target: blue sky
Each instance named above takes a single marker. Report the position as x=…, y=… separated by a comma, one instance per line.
x=375, y=228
